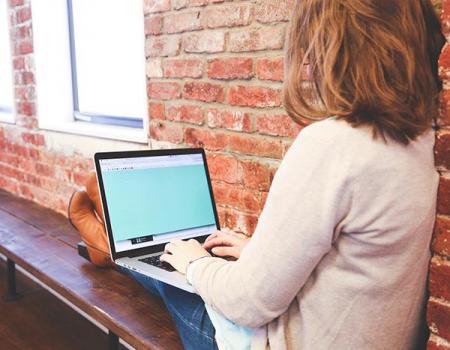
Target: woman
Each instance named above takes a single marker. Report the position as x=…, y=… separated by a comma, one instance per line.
x=339, y=257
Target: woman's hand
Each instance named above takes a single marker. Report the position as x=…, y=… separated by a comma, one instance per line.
x=180, y=253
x=226, y=243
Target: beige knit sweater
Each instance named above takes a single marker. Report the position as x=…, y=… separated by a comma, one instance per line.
x=340, y=254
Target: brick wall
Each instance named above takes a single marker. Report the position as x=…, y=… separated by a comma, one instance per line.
x=214, y=72
x=439, y=281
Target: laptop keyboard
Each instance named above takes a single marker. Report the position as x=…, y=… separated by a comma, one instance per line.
x=154, y=260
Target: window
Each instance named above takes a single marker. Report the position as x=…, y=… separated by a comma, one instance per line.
x=90, y=67
x=6, y=78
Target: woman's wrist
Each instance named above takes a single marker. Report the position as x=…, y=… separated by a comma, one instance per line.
x=189, y=267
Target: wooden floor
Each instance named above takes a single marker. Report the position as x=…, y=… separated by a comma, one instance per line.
x=41, y=321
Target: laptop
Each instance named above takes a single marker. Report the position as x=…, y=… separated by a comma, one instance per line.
x=150, y=197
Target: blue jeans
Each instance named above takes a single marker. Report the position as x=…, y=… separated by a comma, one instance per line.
x=187, y=310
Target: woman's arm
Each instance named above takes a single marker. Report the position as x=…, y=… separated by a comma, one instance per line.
x=308, y=198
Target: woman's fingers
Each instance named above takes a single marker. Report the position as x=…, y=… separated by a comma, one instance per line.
x=222, y=240
x=226, y=251
x=168, y=258
x=213, y=235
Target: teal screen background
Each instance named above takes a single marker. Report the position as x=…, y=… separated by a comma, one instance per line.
x=144, y=202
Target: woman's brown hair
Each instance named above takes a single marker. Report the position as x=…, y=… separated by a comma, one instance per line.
x=370, y=62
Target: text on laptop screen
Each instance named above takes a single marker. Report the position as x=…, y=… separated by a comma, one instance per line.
x=152, y=200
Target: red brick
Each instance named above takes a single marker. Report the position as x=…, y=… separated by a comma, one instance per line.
x=186, y=113
x=247, y=223
x=24, y=78
x=270, y=68
x=44, y=169
x=14, y=3
x=18, y=149
x=444, y=62
x=24, y=93
x=151, y=6
x=268, y=11
x=204, y=91
x=256, y=175
x=182, y=68
x=19, y=62
x=182, y=22
x=10, y=159
x=9, y=185
x=277, y=125
x=237, y=198
x=438, y=316
x=34, y=153
x=232, y=15
x=437, y=344
x=25, y=121
x=232, y=120
x=26, y=165
x=443, y=200
x=442, y=149
x=21, y=32
x=439, y=278
x=256, y=146
x=156, y=110
x=264, y=38
x=441, y=237
x=26, y=191
x=80, y=177
x=55, y=159
x=227, y=217
x=179, y=4
x=201, y=42
x=23, y=48
x=205, y=138
x=34, y=139
x=237, y=221
x=224, y=168
x=12, y=172
x=230, y=68
x=445, y=17
x=23, y=14
x=166, y=132
x=81, y=164
x=444, y=113
x=162, y=46
x=153, y=25
x=254, y=96
x=164, y=90
x=26, y=108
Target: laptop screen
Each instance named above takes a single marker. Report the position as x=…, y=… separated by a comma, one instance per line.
x=153, y=199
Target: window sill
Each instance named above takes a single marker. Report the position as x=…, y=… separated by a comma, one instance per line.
x=6, y=117
x=98, y=131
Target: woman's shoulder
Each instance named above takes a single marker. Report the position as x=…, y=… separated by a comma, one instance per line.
x=334, y=139
x=337, y=132
x=325, y=134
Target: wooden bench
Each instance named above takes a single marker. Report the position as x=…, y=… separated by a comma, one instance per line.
x=44, y=244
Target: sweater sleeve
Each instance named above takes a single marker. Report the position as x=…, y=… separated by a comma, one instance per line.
x=309, y=196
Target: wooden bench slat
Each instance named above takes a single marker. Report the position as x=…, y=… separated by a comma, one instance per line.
x=48, y=221
x=113, y=299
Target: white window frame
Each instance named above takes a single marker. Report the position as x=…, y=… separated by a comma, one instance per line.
x=54, y=77
x=7, y=113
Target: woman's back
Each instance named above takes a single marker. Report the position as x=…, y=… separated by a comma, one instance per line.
x=368, y=291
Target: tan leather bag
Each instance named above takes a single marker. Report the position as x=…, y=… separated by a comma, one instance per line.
x=86, y=215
